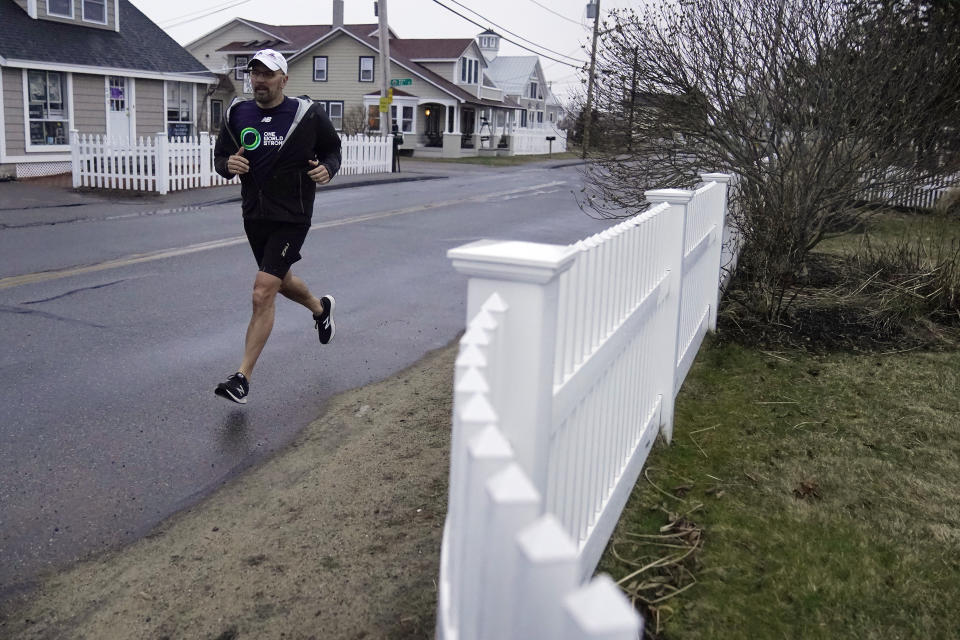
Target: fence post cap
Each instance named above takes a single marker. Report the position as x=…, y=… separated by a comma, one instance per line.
x=512, y=260
x=490, y=444
x=472, y=381
x=601, y=609
x=673, y=196
x=716, y=177
x=546, y=541
x=478, y=410
x=512, y=485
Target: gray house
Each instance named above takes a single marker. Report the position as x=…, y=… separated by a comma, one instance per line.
x=97, y=66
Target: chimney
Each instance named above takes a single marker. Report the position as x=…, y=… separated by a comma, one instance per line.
x=337, y=13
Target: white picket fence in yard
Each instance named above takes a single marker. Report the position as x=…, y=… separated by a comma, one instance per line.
x=366, y=154
x=162, y=165
x=918, y=196
x=567, y=372
x=534, y=141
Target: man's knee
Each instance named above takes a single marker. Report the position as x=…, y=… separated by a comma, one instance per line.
x=265, y=289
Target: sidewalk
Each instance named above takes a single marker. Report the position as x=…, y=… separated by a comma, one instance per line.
x=52, y=200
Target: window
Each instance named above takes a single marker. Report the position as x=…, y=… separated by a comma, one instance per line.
x=523, y=118
x=95, y=11
x=540, y=117
x=469, y=70
x=179, y=99
x=216, y=114
x=62, y=8
x=551, y=116
x=533, y=90
x=366, y=68
x=118, y=93
x=320, y=68
x=47, y=107
x=240, y=67
x=334, y=110
x=405, y=121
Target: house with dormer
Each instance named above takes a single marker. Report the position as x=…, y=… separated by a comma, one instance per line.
x=444, y=100
x=522, y=80
x=93, y=66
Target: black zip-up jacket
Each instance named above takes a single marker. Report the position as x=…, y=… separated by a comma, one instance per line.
x=285, y=193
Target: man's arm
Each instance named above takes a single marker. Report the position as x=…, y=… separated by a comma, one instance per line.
x=327, y=144
x=222, y=150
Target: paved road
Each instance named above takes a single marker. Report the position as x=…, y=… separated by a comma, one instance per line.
x=115, y=331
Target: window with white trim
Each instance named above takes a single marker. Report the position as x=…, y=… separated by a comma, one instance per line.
x=47, y=106
x=539, y=117
x=179, y=108
x=319, y=68
x=405, y=120
x=60, y=8
x=366, y=68
x=95, y=11
x=334, y=111
x=240, y=67
x=216, y=114
x=469, y=70
x=533, y=90
x=523, y=118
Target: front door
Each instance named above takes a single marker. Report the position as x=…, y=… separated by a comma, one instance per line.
x=468, y=124
x=118, y=111
x=434, y=116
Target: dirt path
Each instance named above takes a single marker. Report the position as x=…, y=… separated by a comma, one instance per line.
x=336, y=537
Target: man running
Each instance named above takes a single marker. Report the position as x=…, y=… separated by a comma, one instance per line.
x=281, y=148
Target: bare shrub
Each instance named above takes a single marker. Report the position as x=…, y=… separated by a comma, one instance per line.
x=812, y=104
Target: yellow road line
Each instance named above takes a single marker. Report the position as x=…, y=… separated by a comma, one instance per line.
x=137, y=258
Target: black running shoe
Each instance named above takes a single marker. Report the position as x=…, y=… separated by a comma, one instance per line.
x=235, y=388
x=324, y=320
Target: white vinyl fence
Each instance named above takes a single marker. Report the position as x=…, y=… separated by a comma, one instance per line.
x=366, y=154
x=163, y=165
x=567, y=372
x=916, y=196
x=534, y=141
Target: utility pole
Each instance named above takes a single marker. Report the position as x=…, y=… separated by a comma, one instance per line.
x=385, y=129
x=588, y=118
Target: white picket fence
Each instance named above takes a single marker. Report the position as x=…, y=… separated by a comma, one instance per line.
x=534, y=141
x=162, y=165
x=568, y=370
x=366, y=154
x=914, y=196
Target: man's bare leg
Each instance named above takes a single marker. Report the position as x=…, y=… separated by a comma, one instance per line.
x=265, y=289
x=294, y=288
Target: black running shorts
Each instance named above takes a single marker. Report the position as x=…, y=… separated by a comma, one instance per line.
x=276, y=245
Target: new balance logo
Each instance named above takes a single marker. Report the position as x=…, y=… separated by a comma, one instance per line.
x=283, y=254
x=267, y=119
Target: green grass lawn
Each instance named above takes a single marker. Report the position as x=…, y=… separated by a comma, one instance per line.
x=804, y=495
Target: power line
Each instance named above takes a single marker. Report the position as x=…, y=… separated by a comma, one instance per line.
x=460, y=4
x=560, y=15
x=190, y=17
x=525, y=48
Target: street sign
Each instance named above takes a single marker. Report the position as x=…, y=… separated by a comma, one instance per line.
x=401, y=82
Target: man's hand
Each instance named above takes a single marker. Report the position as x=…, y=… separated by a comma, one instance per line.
x=318, y=173
x=237, y=164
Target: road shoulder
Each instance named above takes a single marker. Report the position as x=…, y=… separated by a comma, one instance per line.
x=346, y=549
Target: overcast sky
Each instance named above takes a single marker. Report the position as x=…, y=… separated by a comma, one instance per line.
x=558, y=25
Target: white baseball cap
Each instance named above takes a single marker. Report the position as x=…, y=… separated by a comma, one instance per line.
x=271, y=59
